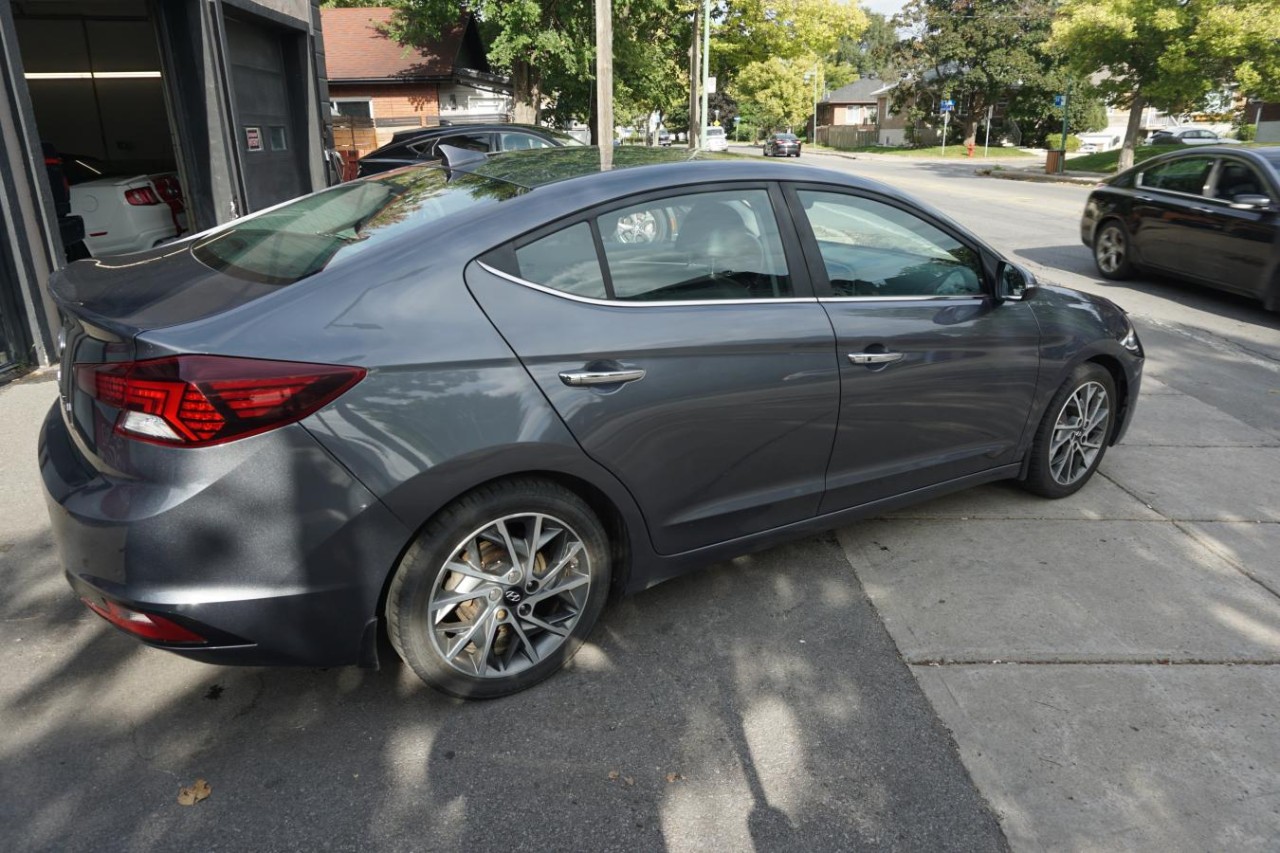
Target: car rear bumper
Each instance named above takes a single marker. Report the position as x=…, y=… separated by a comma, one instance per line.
x=279, y=559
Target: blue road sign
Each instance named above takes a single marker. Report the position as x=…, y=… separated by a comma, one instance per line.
x=947, y=106
x=1059, y=100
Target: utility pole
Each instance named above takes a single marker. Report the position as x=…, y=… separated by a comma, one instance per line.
x=604, y=81
x=695, y=63
x=706, y=64
x=1066, y=105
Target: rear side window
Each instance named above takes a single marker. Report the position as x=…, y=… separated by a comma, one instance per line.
x=565, y=261
x=1236, y=178
x=1184, y=175
x=302, y=237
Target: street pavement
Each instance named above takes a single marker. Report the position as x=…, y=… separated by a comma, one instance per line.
x=988, y=669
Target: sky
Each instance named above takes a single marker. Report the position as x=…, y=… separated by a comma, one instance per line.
x=884, y=7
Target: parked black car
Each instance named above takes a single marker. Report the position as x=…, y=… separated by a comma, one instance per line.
x=1207, y=215
x=410, y=148
x=782, y=145
x=463, y=405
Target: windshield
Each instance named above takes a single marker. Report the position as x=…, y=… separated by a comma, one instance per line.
x=715, y=131
x=302, y=237
x=787, y=137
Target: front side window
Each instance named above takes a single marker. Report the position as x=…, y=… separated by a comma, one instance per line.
x=701, y=246
x=1236, y=178
x=522, y=142
x=1183, y=175
x=874, y=249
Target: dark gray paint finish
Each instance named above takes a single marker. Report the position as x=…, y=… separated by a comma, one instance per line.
x=956, y=404
x=729, y=431
x=447, y=404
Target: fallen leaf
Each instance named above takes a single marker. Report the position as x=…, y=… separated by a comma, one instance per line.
x=674, y=777
x=613, y=775
x=628, y=781
x=193, y=794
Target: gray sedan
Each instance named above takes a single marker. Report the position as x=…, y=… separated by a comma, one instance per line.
x=461, y=405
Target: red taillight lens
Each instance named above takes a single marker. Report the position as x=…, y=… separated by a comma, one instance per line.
x=148, y=626
x=199, y=400
x=141, y=196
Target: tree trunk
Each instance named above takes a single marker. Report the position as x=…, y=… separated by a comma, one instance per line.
x=1131, y=132
x=524, y=93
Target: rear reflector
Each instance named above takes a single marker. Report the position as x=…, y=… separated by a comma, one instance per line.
x=148, y=626
x=202, y=400
x=141, y=196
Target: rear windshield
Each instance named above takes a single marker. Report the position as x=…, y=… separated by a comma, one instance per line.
x=786, y=137
x=715, y=131
x=302, y=237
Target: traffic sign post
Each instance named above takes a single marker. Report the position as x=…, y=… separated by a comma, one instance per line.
x=946, y=108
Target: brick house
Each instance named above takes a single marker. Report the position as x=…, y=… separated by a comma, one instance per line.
x=861, y=113
x=378, y=87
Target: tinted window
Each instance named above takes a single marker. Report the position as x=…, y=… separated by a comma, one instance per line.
x=427, y=148
x=1236, y=178
x=565, y=260
x=875, y=249
x=1184, y=175
x=302, y=237
x=718, y=245
x=522, y=142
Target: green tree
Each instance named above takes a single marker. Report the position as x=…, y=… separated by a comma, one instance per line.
x=1170, y=54
x=975, y=52
x=751, y=31
x=773, y=93
x=870, y=54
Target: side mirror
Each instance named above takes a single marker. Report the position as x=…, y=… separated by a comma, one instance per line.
x=1013, y=282
x=1249, y=201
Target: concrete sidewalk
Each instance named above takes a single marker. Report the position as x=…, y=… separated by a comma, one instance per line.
x=1107, y=663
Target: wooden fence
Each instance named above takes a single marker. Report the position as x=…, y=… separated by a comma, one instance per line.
x=846, y=138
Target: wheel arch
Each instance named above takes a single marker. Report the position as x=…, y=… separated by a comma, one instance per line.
x=1121, y=381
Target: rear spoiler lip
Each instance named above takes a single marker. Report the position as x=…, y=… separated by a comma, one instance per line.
x=97, y=324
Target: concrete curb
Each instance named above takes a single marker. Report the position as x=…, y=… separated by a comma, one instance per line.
x=1038, y=178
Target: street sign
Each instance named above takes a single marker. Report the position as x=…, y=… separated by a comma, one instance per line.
x=947, y=106
x=711, y=85
x=1059, y=100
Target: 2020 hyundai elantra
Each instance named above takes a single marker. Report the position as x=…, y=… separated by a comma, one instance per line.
x=463, y=404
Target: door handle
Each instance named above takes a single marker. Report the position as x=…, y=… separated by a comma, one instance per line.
x=1203, y=209
x=875, y=357
x=1143, y=198
x=579, y=378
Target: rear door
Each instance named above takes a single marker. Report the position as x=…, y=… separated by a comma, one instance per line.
x=677, y=336
x=937, y=379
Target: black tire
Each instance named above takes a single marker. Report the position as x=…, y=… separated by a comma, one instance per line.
x=1113, y=250
x=1041, y=477
x=424, y=568
x=1271, y=297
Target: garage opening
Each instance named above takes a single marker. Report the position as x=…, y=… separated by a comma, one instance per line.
x=94, y=75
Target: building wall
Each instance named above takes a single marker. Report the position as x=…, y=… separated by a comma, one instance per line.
x=395, y=106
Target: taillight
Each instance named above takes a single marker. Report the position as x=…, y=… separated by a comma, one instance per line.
x=148, y=626
x=141, y=196
x=201, y=400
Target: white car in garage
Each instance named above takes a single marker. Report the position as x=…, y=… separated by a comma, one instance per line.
x=123, y=213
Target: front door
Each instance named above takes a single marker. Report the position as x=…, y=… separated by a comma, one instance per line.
x=683, y=348
x=1234, y=249
x=937, y=379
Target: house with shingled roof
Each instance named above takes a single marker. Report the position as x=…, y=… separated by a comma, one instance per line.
x=378, y=87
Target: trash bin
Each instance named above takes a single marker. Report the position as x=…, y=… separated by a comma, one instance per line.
x=1053, y=162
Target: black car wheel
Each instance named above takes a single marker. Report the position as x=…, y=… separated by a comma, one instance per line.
x=500, y=589
x=1073, y=435
x=1111, y=251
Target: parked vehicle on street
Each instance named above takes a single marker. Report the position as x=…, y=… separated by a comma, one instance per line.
x=782, y=145
x=123, y=213
x=408, y=149
x=714, y=139
x=1206, y=216
x=664, y=138
x=1190, y=136
x=460, y=405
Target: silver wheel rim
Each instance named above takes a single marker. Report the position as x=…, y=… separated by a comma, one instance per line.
x=1110, y=250
x=638, y=227
x=509, y=595
x=1078, y=434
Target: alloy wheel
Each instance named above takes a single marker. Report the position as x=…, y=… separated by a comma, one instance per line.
x=1111, y=249
x=509, y=595
x=638, y=227
x=1079, y=433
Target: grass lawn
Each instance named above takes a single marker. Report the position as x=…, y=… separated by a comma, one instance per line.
x=953, y=151
x=1106, y=160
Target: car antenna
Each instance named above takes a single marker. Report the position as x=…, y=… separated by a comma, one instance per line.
x=458, y=159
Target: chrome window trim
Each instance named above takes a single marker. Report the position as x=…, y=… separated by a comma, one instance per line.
x=618, y=303
x=949, y=297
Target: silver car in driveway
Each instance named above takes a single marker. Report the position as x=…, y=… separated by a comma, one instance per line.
x=461, y=405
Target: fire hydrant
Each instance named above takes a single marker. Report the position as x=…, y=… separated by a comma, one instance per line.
x=969, y=145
